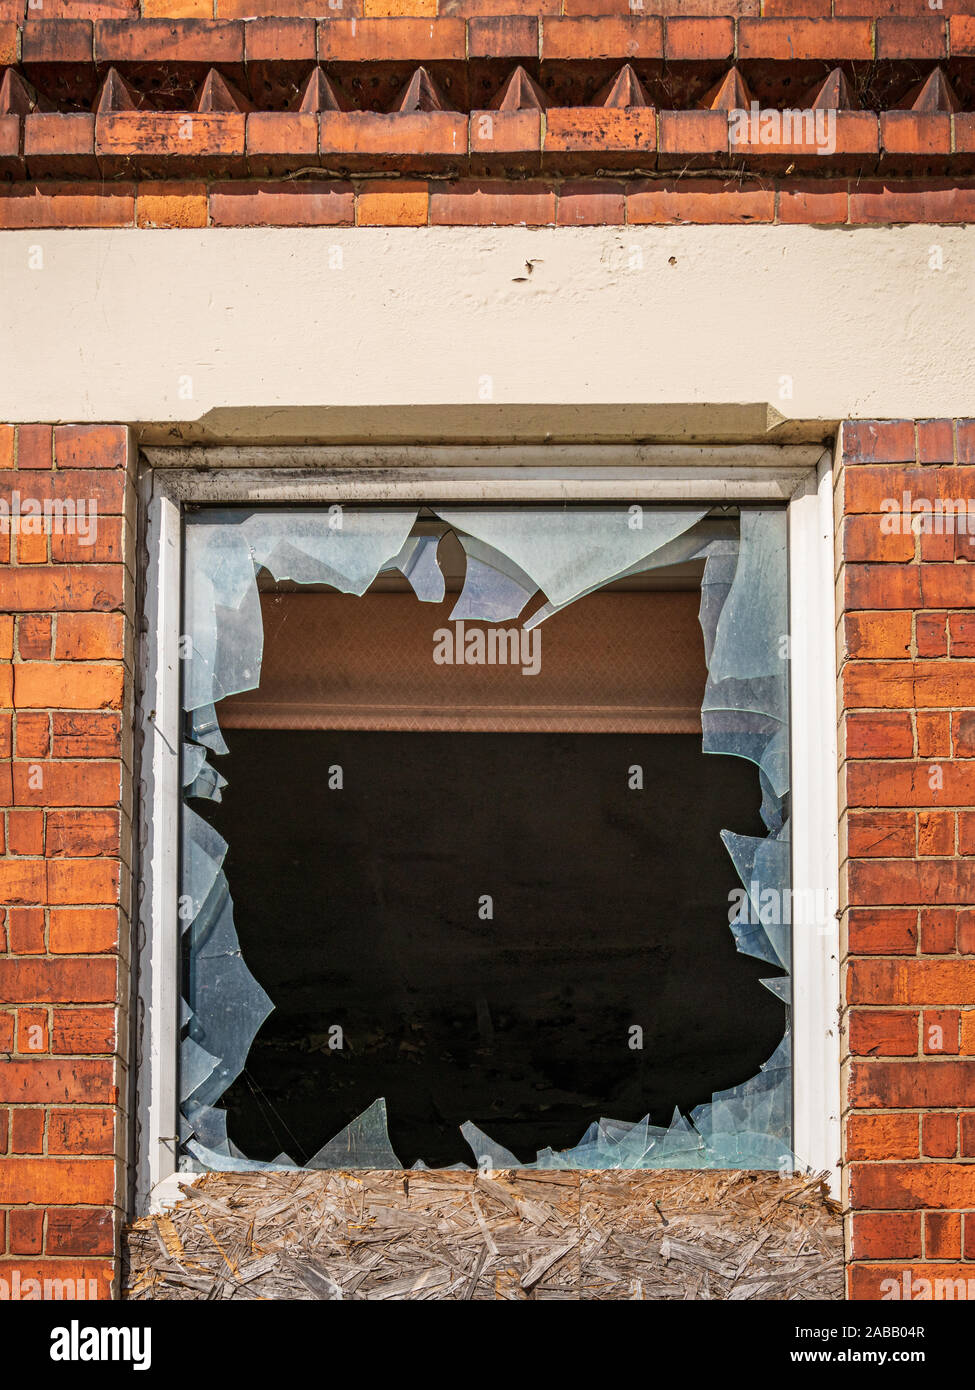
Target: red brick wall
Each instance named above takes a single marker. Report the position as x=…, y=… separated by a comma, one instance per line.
x=907, y=749
x=65, y=779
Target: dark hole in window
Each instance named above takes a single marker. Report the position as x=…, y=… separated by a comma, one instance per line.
x=359, y=907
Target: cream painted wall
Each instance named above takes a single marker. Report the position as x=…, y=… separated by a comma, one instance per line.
x=157, y=326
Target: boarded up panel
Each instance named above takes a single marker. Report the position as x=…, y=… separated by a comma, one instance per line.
x=521, y=1235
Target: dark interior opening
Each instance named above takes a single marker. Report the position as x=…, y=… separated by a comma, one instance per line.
x=360, y=907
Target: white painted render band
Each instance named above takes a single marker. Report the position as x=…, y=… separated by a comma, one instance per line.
x=155, y=326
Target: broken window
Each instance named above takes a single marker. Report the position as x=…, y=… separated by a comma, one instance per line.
x=471, y=798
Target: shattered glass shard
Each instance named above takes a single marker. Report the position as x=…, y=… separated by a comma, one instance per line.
x=362, y=1144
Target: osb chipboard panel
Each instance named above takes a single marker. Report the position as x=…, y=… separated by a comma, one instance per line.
x=523, y=1235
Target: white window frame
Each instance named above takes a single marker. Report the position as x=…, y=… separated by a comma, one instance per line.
x=800, y=476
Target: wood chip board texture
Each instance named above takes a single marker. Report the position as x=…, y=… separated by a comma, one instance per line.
x=518, y=1234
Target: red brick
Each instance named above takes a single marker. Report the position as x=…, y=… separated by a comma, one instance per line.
x=57, y=41
x=486, y=204
x=939, y=1031
x=896, y=1085
x=911, y=38
x=931, y=631
x=33, y=1035
x=46, y=1180
x=939, y=1136
x=961, y=627
x=878, y=441
x=503, y=36
x=936, y=684
x=35, y=446
x=895, y=882
x=594, y=204
x=84, y=1231
x=937, y=931
x=880, y=1136
x=947, y=586
x=698, y=40
x=916, y=200
x=909, y=1186
x=33, y=735
x=880, y=834
x=83, y=931
x=877, y=635
x=886, y=933
x=817, y=202
x=73, y=882
x=707, y=201
x=936, y=441
x=962, y=31
x=102, y=548
x=92, y=1279
x=26, y=1229
x=915, y=132
x=882, y=490
x=83, y=735
x=25, y=931
x=43, y=1080
x=894, y=1236
x=361, y=138
x=26, y=1130
x=278, y=140
x=883, y=1033
x=83, y=1132
x=7, y=1020
x=147, y=138
x=942, y=1235
x=694, y=132
x=783, y=39
x=601, y=130
x=404, y=40
x=933, y=735
x=280, y=40
x=880, y=734
x=911, y=982
x=310, y=203
x=505, y=132
x=966, y=932
x=875, y=1280
x=82, y=833
x=966, y=441
x=169, y=41
x=68, y=685
x=34, y=637
x=591, y=38
x=935, y=833
x=60, y=145
x=968, y=1136
x=83, y=1031
x=882, y=586
x=90, y=446
x=25, y=832
x=67, y=205
x=57, y=981
x=89, y=637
